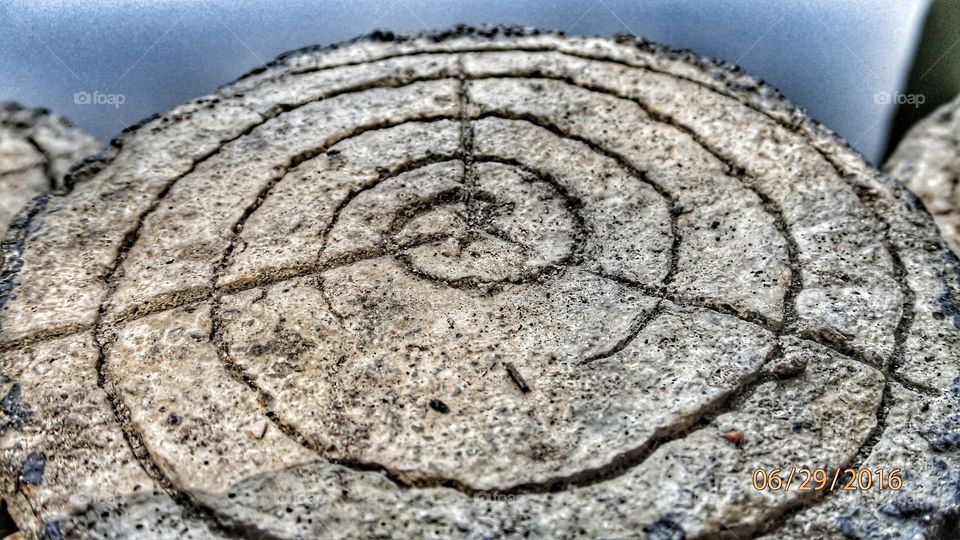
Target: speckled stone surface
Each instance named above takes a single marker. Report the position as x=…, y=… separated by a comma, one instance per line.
x=36, y=151
x=476, y=285
x=927, y=160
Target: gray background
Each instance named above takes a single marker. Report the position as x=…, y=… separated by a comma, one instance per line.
x=831, y=57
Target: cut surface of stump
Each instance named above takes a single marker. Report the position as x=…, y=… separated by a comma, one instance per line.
x=927, y=160
x=36, y=151
x=479, y=284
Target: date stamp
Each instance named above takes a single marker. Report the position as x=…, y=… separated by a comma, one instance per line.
x=823, y=479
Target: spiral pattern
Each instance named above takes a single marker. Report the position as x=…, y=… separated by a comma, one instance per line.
x=477, y=284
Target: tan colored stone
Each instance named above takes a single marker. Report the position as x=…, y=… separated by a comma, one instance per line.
x=36, y=151
x=479, y=285
x=927, y=160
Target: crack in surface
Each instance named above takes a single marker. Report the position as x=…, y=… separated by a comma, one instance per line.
x=46, y=162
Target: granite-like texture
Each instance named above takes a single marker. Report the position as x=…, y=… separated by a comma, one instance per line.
x=37, y=149
x=927, y=160
x=479, y=284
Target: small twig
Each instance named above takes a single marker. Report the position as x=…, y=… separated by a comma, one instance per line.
x=517, y=378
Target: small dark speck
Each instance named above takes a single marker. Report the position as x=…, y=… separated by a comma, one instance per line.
x=16, y=410
x=439, y=406
x=32, y=470
x=517, y=378
x=51, y=531
x=665, y=529
x=173, y=419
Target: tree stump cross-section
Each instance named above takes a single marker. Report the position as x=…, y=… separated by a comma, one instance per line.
x=479, y=283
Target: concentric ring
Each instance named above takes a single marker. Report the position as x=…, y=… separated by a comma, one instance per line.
x=347, y=312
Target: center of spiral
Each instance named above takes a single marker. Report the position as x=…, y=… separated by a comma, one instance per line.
x=509, y=225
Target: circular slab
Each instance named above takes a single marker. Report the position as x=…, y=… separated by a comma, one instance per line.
x=480, y=284
x=36, y=151
x=927, y=160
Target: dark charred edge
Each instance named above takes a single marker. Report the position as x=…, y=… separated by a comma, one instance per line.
x=734, y=83
x=386, y=36
x=637, y=327
x=36, y=113
x=744, y=88
x=276, y=112
x=668, y=197
x=87, y=168
x=14, y=107
x=731, y=76
x=13, y=244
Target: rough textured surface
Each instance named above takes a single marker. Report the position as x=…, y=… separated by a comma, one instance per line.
x=36, y=151
x=479, y=284
x=927, y=160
